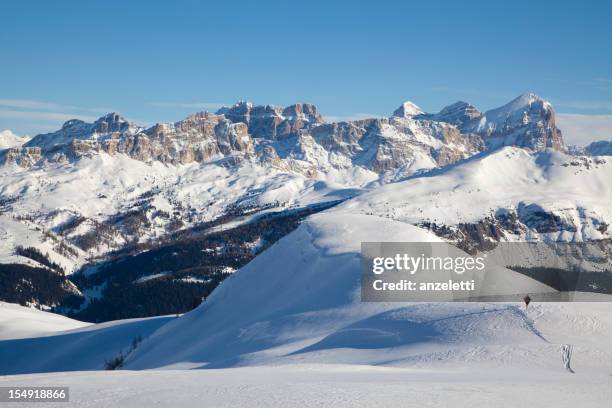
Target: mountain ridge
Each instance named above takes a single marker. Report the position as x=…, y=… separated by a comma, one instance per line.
x=297, y=138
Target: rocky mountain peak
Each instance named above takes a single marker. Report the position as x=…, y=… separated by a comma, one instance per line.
x=459, y=114
x=73, y=123
x=272, y=122
x=295, y=137
x=408, y=110
x=238, y=112
x=526, y=121
x=111, y=122
x=521, y=105
x=303, y=111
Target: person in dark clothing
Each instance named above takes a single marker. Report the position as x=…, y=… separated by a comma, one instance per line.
x=527, y=300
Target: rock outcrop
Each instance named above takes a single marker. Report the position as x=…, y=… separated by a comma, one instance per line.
x=527, y=121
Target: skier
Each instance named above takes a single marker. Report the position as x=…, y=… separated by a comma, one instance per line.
x=527, y=300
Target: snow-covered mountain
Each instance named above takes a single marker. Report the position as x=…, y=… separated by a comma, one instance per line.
x=510, y=194
x=293, y=138
x=10, y=140
x=459, y=176
x=300, y=300
x=120, y=182
x=527, y=121
x=599, y=148
x=296, y=138
x=74, y=196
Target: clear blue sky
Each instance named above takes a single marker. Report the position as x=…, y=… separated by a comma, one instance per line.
x=158, y=61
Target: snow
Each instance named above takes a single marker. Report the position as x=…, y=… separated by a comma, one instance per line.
x=32, y=341
x=21, y=322
x=8, y=139
x=14, y=232
x=519, y=105
x=578, y=191
x=192, y=279
x=289, y=329
x=408, y=109
x=299, y=302
x=151, y=277
x=55, y=193
x=308, y=385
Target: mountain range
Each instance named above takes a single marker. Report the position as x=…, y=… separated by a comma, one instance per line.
x=297, y=138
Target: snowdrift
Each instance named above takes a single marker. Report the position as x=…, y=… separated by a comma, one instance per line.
x=32, y=341
x=19, y=322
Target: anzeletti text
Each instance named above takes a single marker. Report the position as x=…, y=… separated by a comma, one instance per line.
x=408, y=285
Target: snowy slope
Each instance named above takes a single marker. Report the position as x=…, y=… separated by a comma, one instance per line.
x=344, y=386
x=304, y=290
x=20, y=322
x=67, y=202
x=37, y=342
x=22, y=232
x=300, y=302
x=511, y=180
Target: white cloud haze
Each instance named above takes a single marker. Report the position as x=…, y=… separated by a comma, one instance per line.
x=27, y=116
x=583, y=129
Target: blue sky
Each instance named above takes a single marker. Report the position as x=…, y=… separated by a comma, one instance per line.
x=159, y=61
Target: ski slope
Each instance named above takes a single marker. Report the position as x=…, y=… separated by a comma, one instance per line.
x=32, y=341
x=299, y=302
x=308, y=385
x=20, y=322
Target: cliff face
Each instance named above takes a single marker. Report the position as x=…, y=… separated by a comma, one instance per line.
x=527, y=121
